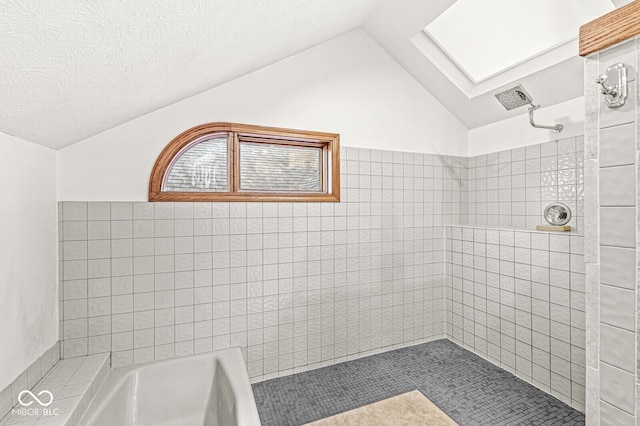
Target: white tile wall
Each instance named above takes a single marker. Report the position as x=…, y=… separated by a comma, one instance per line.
x=302, y=285
x=296, y=285
x=511, y=188
x=612, y=240
x=517, y=298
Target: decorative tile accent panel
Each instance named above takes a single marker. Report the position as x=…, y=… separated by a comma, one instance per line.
x=611, y=214
x=296, y=285
x=28, y=379
x=517, y=298
x=72, y=383
x=511, y=188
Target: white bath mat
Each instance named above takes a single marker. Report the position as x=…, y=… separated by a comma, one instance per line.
x=411, y=408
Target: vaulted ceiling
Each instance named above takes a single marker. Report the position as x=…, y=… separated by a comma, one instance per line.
x=395, y=24
x=68, y=71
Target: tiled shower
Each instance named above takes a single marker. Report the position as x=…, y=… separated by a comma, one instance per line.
x=296, y=285
x=430, y=277
x=304, y=285
x=516, y=296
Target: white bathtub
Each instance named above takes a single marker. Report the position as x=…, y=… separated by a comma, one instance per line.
x=210, y=389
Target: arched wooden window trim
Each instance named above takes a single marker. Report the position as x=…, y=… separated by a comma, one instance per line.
x=330, y=142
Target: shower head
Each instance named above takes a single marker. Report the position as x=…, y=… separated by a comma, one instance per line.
x=514, y=97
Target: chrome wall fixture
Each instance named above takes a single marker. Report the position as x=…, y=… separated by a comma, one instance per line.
x=557, y=214
x=557, y=128
x=616, y=94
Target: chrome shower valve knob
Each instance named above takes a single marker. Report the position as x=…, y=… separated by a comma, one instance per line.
x=557, y=214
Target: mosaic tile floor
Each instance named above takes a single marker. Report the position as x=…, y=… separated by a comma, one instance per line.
x=470, y=390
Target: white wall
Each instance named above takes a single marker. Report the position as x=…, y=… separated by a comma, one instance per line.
x=28, y=248
x=516, y=132
x=348, y=85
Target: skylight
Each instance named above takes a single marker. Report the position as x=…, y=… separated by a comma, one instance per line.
x=487, y=37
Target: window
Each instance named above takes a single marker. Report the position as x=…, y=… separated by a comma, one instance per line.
x=240, y=162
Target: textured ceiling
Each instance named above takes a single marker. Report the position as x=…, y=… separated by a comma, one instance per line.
x=72, y=69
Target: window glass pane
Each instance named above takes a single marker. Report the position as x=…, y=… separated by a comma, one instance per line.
x=265, y=167
x=203, y=167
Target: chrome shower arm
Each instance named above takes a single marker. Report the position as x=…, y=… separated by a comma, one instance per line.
x=557, y=128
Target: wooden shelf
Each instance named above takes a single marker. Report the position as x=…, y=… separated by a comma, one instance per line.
x=610, y=29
